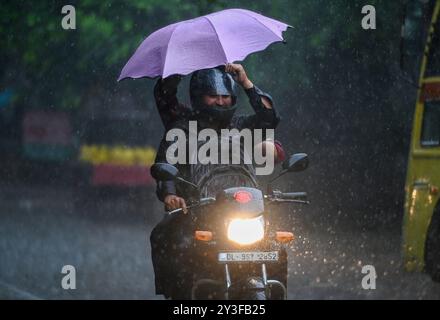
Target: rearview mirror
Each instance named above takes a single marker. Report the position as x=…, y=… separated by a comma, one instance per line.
x=296, y=162
x=164, y=171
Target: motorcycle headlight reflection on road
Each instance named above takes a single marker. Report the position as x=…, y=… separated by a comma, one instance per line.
x=246, y=231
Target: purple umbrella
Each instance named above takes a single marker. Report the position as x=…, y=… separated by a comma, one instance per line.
x=204, y=42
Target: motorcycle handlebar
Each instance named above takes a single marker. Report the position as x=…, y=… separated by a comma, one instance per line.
x=297, y=197
x=202, y=202
x=178, y=210
x=287, y=197
x=292, y=196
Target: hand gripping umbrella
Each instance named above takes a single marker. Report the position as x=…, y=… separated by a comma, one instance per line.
x=204, y=42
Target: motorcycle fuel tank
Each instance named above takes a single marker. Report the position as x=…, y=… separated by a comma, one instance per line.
x=247, y=202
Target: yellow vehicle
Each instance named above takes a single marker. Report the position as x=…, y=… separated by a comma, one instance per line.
x=421, y=224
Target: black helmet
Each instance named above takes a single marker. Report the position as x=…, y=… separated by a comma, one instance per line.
x=213, y=81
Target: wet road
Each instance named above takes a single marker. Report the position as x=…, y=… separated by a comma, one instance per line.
x=106, y=240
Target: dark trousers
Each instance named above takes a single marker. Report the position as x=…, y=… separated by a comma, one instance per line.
x=171, y=241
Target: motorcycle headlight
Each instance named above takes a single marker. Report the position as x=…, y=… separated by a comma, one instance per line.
x=246, y=231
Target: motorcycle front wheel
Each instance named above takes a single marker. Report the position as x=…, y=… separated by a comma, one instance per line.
x=255, y=290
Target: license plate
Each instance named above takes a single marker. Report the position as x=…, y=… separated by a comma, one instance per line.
x=249, y=256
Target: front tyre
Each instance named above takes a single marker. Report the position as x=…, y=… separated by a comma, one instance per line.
x=255, y=290
x=257, y=295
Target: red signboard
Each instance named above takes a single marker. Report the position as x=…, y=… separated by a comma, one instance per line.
x=107, y=174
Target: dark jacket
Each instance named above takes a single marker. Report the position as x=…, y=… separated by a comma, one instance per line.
x=176, y=115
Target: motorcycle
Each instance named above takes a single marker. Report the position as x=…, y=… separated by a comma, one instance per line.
x=236, y=253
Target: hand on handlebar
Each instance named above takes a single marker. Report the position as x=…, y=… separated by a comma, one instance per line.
x=173, y=202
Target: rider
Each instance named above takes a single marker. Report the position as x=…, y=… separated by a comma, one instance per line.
x=213, y=94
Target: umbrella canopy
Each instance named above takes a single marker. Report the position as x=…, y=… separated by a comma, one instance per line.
x=204, y=42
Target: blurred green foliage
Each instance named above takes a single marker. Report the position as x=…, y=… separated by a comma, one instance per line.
x=59, y=65
x=338, y=87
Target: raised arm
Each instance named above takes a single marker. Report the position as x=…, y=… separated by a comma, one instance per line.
x=265, y=117
x=169, y=107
